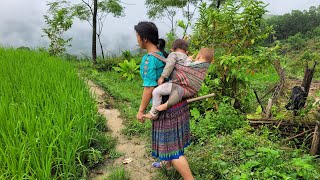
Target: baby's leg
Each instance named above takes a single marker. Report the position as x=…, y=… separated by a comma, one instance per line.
x=157, y=93
x=176, y=95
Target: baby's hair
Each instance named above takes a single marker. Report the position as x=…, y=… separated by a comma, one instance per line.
x=207, y=54
x=180, y=44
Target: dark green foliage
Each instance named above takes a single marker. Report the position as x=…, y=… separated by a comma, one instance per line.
x=210, y=124
x=246, y=155
x=126, y=54
x=297, y=21
x=296, y=42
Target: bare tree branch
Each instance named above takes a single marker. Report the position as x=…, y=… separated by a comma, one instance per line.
x=87, y=3
x=126, y=3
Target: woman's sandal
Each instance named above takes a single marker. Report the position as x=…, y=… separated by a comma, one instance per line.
x=160, y=165
x=157, y=164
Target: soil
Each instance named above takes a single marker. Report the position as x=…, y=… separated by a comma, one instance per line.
x=134, y=148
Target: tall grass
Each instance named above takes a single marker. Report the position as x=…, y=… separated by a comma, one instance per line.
x=47, y=115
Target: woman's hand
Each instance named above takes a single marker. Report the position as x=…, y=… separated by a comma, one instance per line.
x=146, y=96
x=140, y=116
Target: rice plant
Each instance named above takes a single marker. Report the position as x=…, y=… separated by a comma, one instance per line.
x=48, y=118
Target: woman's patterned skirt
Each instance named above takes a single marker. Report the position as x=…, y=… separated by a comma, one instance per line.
x=171, y=132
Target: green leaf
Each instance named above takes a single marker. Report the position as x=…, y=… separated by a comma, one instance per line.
x=259, y=110
x=195, y=113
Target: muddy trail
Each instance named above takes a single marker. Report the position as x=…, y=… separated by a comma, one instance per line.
x=132, y=149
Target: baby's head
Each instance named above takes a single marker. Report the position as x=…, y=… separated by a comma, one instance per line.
x=180, y=45
x=205, y=55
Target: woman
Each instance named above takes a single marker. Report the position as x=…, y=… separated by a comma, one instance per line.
x=171, y=132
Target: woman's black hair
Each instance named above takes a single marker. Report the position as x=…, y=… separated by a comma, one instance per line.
x=149, y=31
x=161, y=45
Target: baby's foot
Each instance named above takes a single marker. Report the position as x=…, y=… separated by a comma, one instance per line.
x=149, y=116
x=162, y=107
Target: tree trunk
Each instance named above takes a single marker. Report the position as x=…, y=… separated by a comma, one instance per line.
x=307, y=79
x=218, y=4
x=172, y=25
x=94, y=32
x=102, y=52
x=281, y=73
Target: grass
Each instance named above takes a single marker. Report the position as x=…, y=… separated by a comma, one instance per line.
x=49, y=123
x=127, y=96
x=242, y=153
x=119, y=174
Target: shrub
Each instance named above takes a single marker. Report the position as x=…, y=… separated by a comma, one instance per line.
x=128, y=69
x=244, y=154
x=297, y=41
x=126, y=54
x=223, y=121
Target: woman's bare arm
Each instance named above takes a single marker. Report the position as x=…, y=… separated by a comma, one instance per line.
x=146, y=97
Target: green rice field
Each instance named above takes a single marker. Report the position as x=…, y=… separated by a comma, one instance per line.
x=48, y=118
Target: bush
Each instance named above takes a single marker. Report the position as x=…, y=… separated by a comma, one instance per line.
x=223, y=121
x=107, y=63
x=244, y=154
x=128, y=69
x=296, y=42
x=126, y=54
x=316, y=31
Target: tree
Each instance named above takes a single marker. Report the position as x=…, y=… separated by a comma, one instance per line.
x=95, y=13
x=233, y=31
x=295, y=22
x=164, y=8
x=59, y=20
x=169, y=9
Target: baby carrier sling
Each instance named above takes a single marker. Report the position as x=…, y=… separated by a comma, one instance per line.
x=182, y=73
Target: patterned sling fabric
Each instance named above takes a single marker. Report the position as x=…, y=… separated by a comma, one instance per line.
x=188, y=77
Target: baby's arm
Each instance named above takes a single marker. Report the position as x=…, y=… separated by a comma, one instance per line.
x=170, y=63
x=161, y=80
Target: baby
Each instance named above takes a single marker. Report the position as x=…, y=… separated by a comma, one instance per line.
x=186, y=77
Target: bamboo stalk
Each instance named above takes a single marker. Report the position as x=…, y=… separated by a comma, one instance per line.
x=200, y=98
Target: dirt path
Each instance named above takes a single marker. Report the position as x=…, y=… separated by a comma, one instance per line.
x=140, y=167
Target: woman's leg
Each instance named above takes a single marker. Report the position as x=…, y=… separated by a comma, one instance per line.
x=182, y=166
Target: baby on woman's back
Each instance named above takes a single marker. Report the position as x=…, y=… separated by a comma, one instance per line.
x=185, y=77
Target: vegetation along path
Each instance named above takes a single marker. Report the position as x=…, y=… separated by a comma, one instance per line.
x=132, y=149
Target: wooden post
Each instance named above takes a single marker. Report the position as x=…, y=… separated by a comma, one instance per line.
x=268, y=109
x=307, y=79
x=315, y=140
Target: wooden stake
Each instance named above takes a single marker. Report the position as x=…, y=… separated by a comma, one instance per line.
x=315, y=140
x=268, y=109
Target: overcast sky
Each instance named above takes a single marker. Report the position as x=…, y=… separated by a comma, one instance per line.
x=21, y=23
